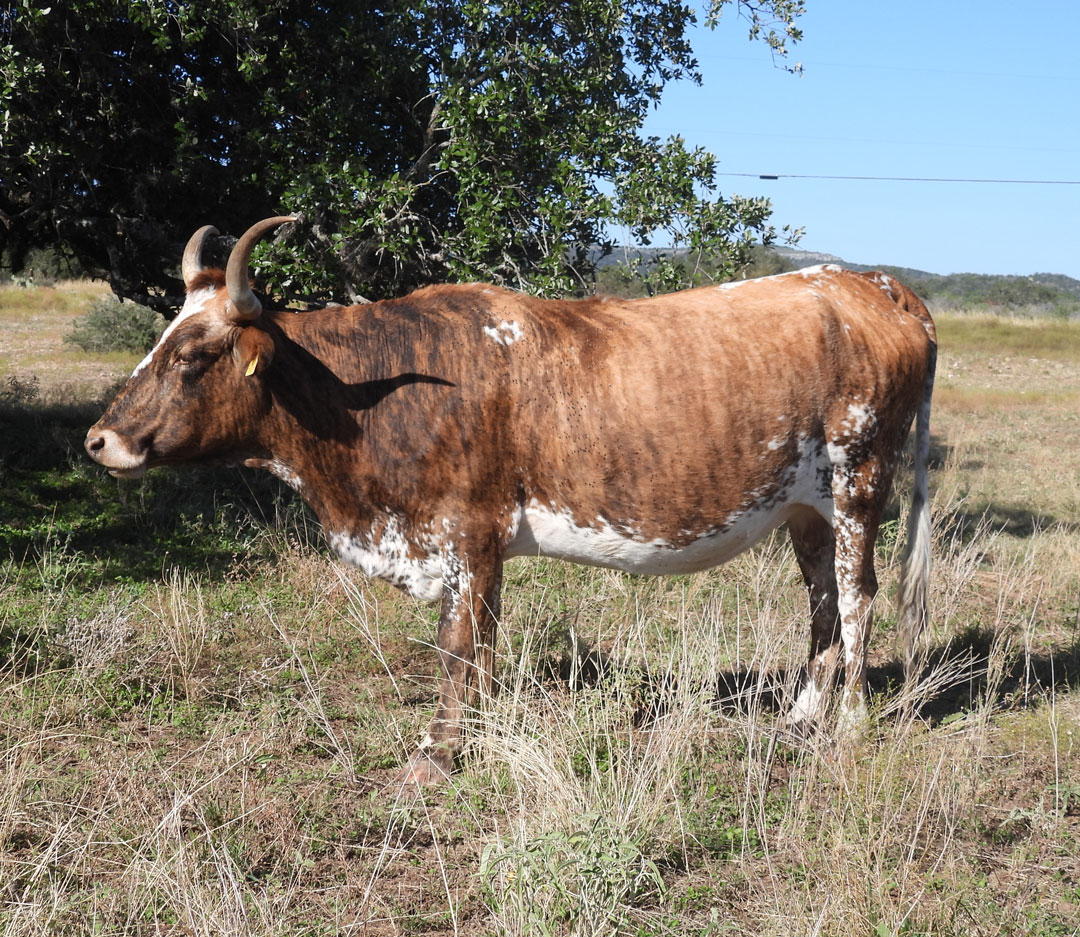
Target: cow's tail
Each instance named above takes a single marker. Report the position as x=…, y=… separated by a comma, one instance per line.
x=912, y=612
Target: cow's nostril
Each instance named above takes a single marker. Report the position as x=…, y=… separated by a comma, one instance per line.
x=95, y=443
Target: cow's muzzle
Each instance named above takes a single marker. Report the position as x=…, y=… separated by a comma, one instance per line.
x=110, y=449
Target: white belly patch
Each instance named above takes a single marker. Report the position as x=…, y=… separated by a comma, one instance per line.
x=546, y=531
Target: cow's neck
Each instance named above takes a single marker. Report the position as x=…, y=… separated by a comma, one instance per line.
x=319, y=434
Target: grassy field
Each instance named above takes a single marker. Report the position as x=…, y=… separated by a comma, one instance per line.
x=201, y=713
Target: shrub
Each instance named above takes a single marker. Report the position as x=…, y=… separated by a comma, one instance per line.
x=42, y=266
x=20, y=392
x=590, y=879
x=113, y=325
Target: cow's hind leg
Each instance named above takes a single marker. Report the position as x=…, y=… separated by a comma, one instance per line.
x=814, y=544
x=858, y=500
x=466, y=636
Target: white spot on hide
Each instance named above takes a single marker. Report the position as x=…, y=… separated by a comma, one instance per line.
x=858, y=418
x=506, y=333
x=553, y=531
x=390, y=557
x=808, y=705
x=286, y=474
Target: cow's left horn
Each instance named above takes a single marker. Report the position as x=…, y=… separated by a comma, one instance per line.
x=246, y=307
x=191, y=266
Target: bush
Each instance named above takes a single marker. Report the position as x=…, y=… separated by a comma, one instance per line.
x=20, y=392
x=42, y=266
x=113, y=325
x=590, y=879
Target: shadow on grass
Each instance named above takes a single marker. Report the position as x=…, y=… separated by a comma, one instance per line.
x=966, y=525
x=1025, y=681
x=59, y=506
x=972, y=520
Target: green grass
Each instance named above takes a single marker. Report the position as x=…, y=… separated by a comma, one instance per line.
x=201, y=716
x=56, y=500
x=982, y=333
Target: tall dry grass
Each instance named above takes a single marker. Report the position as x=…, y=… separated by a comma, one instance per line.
x=215, y=754
x=629, y=776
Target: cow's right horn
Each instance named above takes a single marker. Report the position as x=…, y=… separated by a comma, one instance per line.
x=246, y=307
x=191, y=266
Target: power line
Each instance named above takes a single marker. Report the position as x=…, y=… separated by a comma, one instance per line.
x=775, y=176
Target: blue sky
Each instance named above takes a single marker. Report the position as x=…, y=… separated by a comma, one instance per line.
x=928, y=89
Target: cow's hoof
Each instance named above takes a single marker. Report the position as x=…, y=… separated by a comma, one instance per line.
x=853, y=722
x=427, y=767
x=797, y=730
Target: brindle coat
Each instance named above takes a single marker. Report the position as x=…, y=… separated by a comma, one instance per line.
x=438, y=434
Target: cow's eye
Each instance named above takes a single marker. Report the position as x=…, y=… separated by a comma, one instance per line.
x=188, y=359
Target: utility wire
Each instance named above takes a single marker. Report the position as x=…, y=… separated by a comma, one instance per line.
x=775, y=176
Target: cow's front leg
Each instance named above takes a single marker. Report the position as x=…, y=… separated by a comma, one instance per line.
x=467, y=625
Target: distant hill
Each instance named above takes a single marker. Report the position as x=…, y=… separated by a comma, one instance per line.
x=800, y=258
x=1041, y=294
x=1058, y=281
x=1037, y=294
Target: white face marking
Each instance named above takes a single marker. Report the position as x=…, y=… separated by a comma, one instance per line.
x=389, y=558
x=506, y=333
x=117, y=457
x=194, y=303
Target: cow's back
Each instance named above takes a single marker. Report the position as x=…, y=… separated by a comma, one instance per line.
x=673, y=406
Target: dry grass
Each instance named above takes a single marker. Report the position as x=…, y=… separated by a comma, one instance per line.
x=986, y=333
x=214, y=754
x=33, y=323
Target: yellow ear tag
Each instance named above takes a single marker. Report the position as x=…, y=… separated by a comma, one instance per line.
x=251, y=367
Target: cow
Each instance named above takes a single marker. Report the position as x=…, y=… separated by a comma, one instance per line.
x=439, y=434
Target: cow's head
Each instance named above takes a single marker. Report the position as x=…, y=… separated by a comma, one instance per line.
x=200, y=391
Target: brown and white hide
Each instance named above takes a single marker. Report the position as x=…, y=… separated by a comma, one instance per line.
x=440, y=434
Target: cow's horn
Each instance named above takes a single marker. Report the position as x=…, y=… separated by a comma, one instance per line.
x=191, y=266
x=246, y=307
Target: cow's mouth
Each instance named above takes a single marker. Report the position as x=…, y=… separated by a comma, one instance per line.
x=137, y=472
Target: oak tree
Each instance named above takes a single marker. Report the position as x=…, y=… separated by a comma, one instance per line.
x=421, y=140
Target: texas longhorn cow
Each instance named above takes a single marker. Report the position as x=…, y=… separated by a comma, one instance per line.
x=439, y=434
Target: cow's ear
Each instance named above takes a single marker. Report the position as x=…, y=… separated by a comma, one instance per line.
x=253, y=351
